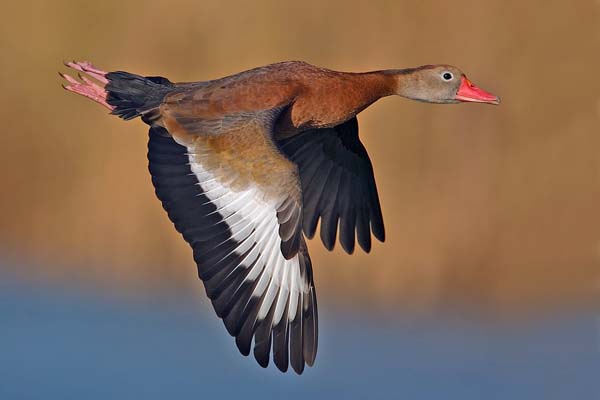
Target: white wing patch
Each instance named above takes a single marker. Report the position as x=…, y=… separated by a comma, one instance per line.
x=252, y=219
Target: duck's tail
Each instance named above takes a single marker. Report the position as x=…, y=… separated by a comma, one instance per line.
x=125, y=94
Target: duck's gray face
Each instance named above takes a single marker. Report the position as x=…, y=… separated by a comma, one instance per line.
x=443, y=84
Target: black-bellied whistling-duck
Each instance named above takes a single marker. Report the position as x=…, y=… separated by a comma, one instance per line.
x=247, y=164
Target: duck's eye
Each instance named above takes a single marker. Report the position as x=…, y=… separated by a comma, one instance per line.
x=447, y=76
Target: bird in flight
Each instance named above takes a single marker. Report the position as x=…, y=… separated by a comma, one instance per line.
x=245, y=167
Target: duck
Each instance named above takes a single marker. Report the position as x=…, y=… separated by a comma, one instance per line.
x=246, y=166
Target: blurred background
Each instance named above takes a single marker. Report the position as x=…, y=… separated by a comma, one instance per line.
x=488, y=284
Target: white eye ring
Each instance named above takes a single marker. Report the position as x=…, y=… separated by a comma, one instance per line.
x=447, y=76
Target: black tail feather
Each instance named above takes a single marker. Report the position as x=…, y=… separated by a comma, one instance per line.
x=134, y=95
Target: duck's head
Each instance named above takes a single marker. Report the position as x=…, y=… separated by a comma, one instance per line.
x=440, y=84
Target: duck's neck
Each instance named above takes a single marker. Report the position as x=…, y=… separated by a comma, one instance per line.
x=402, y=80
x=374, y=84
x=377, y=84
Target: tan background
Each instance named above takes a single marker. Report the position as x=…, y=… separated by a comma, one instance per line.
x=495, y=209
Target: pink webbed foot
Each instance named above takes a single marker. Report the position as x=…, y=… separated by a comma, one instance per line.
x=87, y=87
x=88, y=68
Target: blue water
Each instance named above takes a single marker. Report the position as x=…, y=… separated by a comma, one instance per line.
x=64, y=343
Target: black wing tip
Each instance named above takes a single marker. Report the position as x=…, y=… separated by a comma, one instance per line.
x=328, y=234
x=298, y=369
x=348, y=248
x=347, y=237
x=282, y=361
x=328, y=244
x=285, y=351
x=281, y=365
x=365, y=245
x=243, y=347
x=378, y=229
x=261, y=355
x=310, y=234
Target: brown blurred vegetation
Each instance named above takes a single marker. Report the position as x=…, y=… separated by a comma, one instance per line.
x=491, y=208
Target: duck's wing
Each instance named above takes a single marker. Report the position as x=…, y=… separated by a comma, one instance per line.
x=236, y=200
x=337, y=185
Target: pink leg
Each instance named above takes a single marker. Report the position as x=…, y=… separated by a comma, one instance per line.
x=87, y=88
